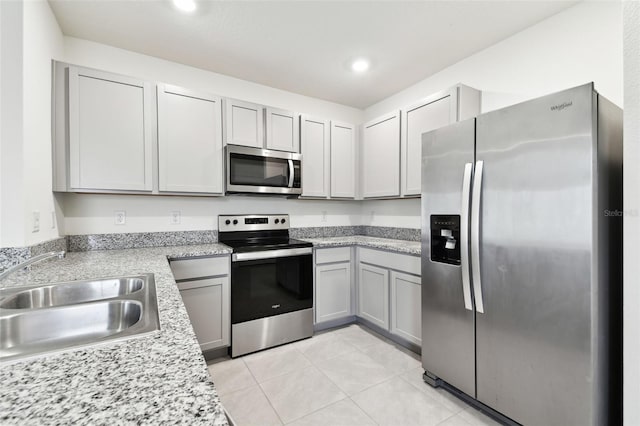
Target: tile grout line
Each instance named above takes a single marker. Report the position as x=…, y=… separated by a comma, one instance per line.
x=354, y=347
x=262, y=391
x=363, y=410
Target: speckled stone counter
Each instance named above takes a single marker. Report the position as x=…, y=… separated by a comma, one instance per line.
x=398, y=246
x=156, y=378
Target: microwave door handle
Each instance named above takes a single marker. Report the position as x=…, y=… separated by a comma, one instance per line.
x=291, y=172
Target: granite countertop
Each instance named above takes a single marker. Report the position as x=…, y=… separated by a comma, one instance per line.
x=151, y=379
x=398, y=246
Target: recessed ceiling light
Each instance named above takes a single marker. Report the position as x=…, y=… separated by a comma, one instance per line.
x=185, y=5
x=360, y=65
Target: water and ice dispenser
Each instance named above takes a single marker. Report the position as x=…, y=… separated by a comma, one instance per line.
x=445, y=239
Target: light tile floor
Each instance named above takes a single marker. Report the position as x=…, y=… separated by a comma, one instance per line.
x=344, y=377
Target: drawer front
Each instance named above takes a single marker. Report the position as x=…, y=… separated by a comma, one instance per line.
x=184, y=269
x=385, y=259
x=330, y=255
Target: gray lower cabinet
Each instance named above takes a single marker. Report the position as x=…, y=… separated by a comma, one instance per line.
x=207, y=302
x=333, y=291
x=205, y=290
x=406, y=309
x=333, y=284
x=389, y=292
x=373, y=294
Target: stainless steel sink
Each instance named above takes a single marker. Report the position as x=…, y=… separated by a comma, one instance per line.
x=53, y=317
x=70, y=293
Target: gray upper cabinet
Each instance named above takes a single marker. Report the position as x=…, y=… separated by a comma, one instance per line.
x=110, y=122
x=190, y=158
x=381, y=157
x=314, y=145
x=458, y=103
x=282, y=130
x=243, y=123
x=343, y=160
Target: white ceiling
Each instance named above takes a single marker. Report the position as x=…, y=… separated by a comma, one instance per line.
x=305, y=46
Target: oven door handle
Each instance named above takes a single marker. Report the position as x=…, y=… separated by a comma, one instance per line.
x=270, y=254
x=291, y=173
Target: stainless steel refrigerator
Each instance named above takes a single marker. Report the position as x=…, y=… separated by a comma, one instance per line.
x=522, y=259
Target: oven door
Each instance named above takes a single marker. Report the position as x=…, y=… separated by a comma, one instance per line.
x=269, y=283
x=256, y=170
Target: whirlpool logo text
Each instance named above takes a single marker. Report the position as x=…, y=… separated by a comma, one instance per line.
x=561, y=106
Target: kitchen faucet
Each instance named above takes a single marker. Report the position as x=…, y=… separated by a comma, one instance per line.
x=22, y=265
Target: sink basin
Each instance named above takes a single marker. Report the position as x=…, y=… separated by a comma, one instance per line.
x=71, y=293
x=69, y=325
x=49, y=318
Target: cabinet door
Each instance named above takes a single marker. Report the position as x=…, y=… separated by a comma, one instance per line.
x=343, y=156
x=373, y=295
x=243, y=123
x=427, y=115
x=333, y=291
x=110, y=138
x=208, y=304
x=406, y=309
x=283, y=133
x=189, y=141
x=381, y=157
x=315, y=157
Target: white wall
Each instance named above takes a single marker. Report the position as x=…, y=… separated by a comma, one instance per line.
x=108, y=58
x=11, y=200
x=632, y=209
x=30, y=38
x=89, y=213
x=43, y=41
x=396, y=213
x=576, y=46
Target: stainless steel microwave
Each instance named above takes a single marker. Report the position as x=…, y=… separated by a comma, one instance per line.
x=262, y=171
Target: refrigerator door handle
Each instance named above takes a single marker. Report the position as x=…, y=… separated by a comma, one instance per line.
x=464, y=236
x=475, y=236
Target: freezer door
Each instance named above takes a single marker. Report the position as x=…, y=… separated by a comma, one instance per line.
x=447, y=310
x=533, y=341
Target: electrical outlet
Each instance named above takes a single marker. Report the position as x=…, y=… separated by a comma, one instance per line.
x=120, y=217
x=53, y=219
x=175, y=218
x=36, y=222
x=324, y=216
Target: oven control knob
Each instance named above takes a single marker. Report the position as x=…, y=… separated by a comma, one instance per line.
x=282, y=221
x=227, y=222
x=235, y=221
x=277, y=221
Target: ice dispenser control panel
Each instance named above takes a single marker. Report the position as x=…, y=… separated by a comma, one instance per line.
x=445, y=239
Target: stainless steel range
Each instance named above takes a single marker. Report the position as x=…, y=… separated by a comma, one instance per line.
x=271, y=282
